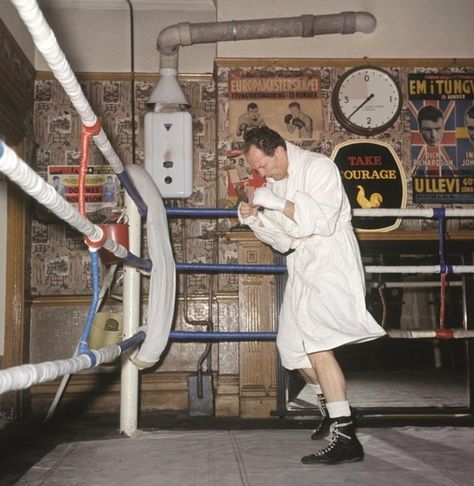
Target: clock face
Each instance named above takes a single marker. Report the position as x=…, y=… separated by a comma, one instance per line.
x=366, y=100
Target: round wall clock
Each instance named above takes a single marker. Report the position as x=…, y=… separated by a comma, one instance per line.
x=366, y=100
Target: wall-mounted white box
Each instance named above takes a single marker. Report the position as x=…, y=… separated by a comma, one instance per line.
x=169, y=152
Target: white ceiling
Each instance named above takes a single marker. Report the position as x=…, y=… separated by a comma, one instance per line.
x=202, y=5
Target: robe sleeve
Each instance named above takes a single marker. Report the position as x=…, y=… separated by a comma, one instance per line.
x=318, y=206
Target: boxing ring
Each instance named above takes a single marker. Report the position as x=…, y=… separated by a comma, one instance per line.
x=25, y=376
x=408, y=455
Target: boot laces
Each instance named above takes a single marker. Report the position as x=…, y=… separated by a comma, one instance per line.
x=321, y=424
x=322, y=404
x=335, y=433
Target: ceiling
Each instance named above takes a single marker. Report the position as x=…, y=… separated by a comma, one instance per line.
x=202, y=5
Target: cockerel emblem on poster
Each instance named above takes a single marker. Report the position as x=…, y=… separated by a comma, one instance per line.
x=373, y=177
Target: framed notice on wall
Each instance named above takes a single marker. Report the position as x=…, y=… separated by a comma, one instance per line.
x=442, y=136
x=286, y=101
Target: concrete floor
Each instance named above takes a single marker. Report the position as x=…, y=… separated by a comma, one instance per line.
x=223, y=453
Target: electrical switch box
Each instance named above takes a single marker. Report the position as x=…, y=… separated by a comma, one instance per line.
x=169, y=152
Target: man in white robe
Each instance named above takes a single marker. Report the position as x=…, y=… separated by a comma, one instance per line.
x=305, y=209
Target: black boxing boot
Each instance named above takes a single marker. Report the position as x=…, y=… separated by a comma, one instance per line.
x=344, y=445
x=322, y=430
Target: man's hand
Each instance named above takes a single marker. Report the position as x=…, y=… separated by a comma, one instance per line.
x=247, y=213
x=297, y=122
x=266, y=198
x=242, y=129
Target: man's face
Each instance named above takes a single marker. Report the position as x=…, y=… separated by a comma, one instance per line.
x=432, y=131
x=275, y=166
x=253, y=113
x=470, y=128
x=294, y=110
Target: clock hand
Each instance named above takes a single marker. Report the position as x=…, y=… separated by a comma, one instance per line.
x=361, y=105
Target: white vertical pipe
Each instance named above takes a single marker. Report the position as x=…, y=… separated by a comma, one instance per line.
x=131, y=317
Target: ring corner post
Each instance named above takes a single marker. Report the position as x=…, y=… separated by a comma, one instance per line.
x=129, y=388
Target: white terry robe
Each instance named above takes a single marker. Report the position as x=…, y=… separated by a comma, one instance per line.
x=324, y=301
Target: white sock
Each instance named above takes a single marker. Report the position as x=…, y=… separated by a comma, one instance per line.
x=320, y=397
x=315, y=388
x=338, y=409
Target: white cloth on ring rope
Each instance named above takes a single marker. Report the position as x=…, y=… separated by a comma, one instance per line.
x=161, y=299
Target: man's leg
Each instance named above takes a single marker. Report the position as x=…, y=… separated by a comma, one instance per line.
x=330, y=376
x=311, y=379
x=344, y=447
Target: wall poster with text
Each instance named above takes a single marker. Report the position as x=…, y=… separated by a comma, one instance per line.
x=284, y=100
x=102, y=189
x=442, y=137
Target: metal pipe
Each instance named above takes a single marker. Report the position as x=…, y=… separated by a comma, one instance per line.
x=186, y=34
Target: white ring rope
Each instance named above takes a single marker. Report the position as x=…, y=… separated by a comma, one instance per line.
x=415, y=285
x=34, y=185
x=24, y=376
x=429, y=333
x=45, y=41
x=418, y=269
x=414, y=213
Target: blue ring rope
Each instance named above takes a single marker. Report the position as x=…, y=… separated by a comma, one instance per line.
x=132, y=341
x=95, y=278
x=132, y=192
x=201, y=213
x=192, y=336
x=440, y=214
x=229, y=268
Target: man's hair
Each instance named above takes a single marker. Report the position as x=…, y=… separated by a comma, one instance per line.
x=294, y=104
x=469, y=112
x=430, y=113
x=265, y=139
x=252, y=106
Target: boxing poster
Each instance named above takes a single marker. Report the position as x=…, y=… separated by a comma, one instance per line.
x=286, y=101
x=442, y=137
x=102, y=189
x=241, y=180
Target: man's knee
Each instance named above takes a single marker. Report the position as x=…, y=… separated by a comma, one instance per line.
x=322, y=358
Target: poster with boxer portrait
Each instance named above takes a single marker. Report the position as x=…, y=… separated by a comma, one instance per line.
x=286, y=101
x=442, y=134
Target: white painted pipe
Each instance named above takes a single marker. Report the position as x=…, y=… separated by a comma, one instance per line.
x=131, y=317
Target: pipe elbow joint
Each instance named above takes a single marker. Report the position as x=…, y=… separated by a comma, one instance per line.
x=365, y=22
x=167, y=41
x=173, y=36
